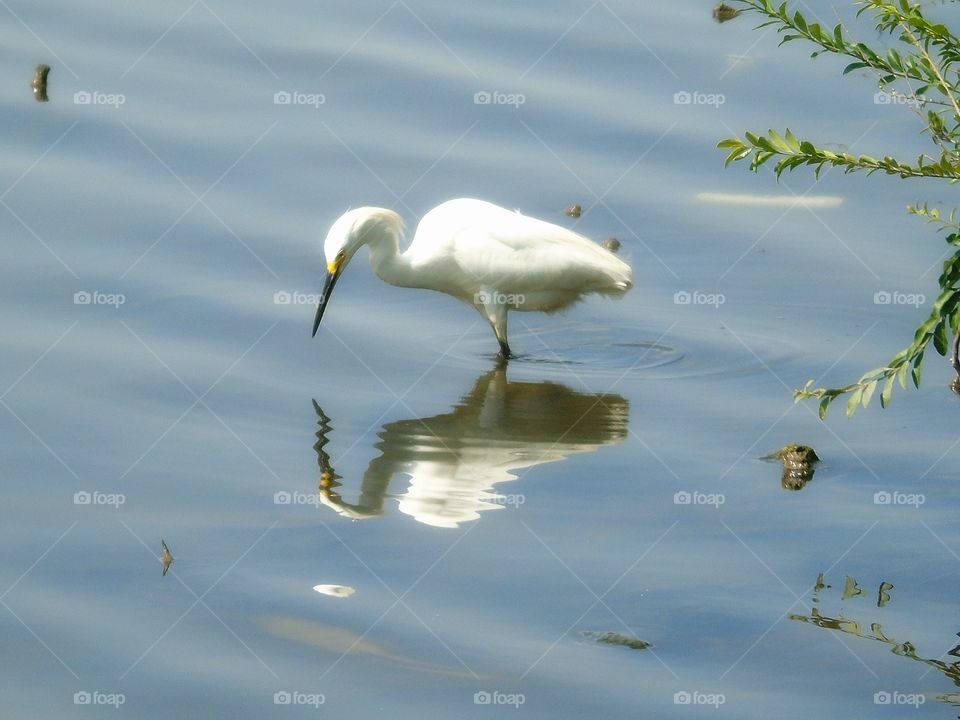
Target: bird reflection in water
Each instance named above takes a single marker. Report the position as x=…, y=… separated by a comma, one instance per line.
x=454, y=460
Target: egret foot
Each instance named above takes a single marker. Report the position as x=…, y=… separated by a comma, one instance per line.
x=505, y=350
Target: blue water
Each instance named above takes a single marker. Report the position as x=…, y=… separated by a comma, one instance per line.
x=491, y=523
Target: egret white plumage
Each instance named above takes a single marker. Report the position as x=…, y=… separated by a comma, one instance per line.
x=491, y=258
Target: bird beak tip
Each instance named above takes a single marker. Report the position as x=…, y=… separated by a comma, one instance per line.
x=324, y=297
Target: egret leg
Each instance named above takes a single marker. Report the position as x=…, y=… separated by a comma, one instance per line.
x=496, y=314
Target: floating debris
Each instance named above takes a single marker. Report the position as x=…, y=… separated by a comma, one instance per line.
x=799, y=463
x=338, y=642
x=723, y=12
x=339, y=591
x=573, y=211
x=809, y=201
x=613, y=638
x=611, y=244
x=39, y=83
x=167, y=558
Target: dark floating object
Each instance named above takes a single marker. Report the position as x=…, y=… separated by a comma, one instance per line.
x=723, y=12
x=611, y=244
x=799, y=463
x=573, y=211
x=613, y=638
x=39, y=83
x=167, y=558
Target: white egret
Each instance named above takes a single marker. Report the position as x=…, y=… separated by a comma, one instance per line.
x=493, y=259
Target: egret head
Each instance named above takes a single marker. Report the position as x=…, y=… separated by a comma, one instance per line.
x=351, y=231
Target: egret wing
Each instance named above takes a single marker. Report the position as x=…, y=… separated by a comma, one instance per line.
x=515, y=253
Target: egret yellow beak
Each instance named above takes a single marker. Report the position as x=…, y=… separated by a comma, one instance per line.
x=333, y=274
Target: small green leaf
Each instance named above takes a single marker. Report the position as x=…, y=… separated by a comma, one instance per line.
x=854, y=401
x=887, y=391
x=854, y=66
x=940, y=338
x=824, y=404
x=902, y=375
x=792, y=141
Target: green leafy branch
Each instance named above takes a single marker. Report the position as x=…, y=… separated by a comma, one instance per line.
x=944, y=318
x=794, y=153
x=918, y=64
x=930, y=59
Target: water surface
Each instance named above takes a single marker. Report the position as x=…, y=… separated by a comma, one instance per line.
x=492, y=522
